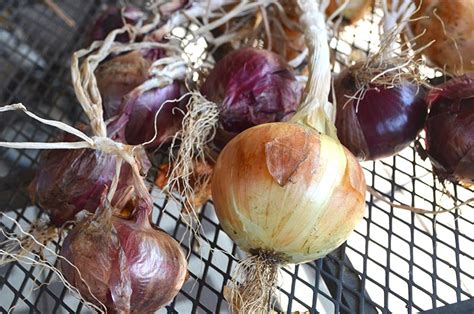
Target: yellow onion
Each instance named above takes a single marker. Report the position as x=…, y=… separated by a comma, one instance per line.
x=354, y=10
x=450, y=24
x=288, y=192
x=284, y=187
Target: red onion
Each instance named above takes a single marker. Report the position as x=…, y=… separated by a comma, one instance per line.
x=117, y=77
x=112, y=19
x=136, y=118
x=69, y=181
x=383, y=121
x=450, y=129
x=251, y=86
x=129, y=266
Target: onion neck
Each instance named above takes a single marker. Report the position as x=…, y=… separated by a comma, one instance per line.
x=315, y=110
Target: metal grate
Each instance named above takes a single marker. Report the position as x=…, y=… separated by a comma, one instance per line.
x=395, y=261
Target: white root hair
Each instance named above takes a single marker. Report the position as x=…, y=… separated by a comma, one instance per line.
x=198, y=130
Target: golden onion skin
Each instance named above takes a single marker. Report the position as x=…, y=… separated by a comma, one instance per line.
x=353, y=12
x=285, y=188
x=458, y=20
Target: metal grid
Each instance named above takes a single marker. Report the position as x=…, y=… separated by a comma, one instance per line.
x=395, y=261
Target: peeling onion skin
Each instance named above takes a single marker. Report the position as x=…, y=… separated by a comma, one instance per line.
x=119, y=76
x=129, y=266
x=383, y=122
x=69, y=181
x=450, y=129
x=251, y=86
x=457, y=17
x=272, y=177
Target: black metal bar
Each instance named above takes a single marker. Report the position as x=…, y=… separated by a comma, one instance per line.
x=350, y=279
x=463, y=307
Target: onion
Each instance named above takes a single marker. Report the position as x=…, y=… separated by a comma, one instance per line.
x=119, y=76
x=111, y=19
x=132, y=106
x=251, y=86
x=69, y=181
x=135, y=122
x=450, y=24
x=382, y=121
x=380, y=102
x=271, y=178
x=353, y=12
x=450, y=129
x=288, y=192
x=126, y=265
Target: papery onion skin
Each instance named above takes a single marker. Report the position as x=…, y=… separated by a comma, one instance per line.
x=139, y=109
x=69, y=181
x=129, y=267
x=251, y=86
x=456, y=27
x=383, y=121
x=450, y=129
x=202, y=190
x=353, y=12
x=271, y=178
x=119, y=76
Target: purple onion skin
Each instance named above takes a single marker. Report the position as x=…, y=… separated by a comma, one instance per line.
x=383, y=122
x=111, y=19
x=135, y=123
x=251, y=86
x=117, y=77
x=69, y=181
x=128, y=265
x=120, y=75
x=450, y=129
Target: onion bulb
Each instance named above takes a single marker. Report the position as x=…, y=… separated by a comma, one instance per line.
x=450, y=129
x=380, y=102
x=251, y=86
x=354, y=10
x=111, y=19
x=450, y=24
x=271, y=178
x=127, y=265
x=136, y=121
x=382, y=121
x=288, y=192
x=69, y=181
x=119, y=76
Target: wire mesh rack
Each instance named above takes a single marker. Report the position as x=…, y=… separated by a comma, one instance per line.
x=395, y=261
